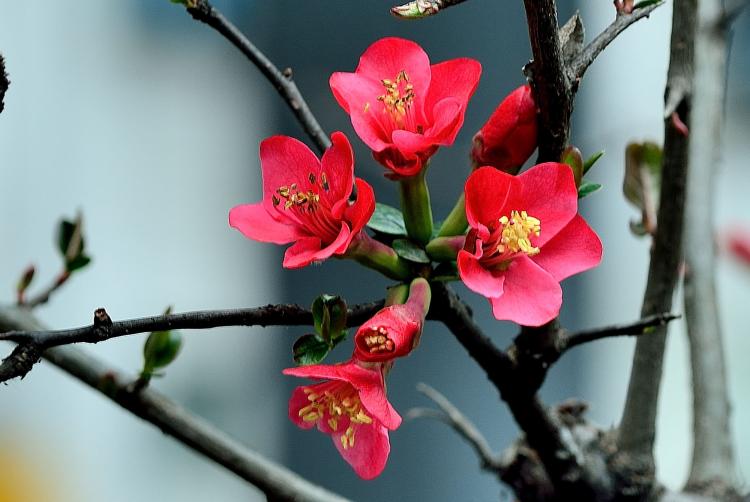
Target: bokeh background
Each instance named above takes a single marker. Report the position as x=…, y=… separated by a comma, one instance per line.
x=149, y=123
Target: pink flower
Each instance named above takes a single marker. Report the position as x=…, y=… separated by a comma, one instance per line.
x=525, y=237
x=306, y=200
x=402, y=107
x=508, y=138
x=395, y=330
x=351, y=406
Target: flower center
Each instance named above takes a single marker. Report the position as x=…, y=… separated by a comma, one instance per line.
x=398, y=97
x=516, y=233
x=378, y=341
x=306, y=200
x=334, y=401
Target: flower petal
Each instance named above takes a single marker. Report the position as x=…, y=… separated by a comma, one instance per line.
x=359, y=213
x=309, y=249
x=574, y=249
x=296, y=403
x=284, y=161
x=457, y=79
x=486, y=192
x=477, y=278
x=338, y=166
x=369, y=453
x=531, y=296
x=387, y=57
x=548, y=192
x=255, y=223
x=357, y=95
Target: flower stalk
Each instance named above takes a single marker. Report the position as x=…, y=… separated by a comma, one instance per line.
x=415, y=204
x=378, y=256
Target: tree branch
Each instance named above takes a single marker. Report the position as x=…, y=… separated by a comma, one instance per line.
x=422, y=8
x=713, y=456
x=203, y=11
x=34, y=342
x=582, y=61
x=638, y=427
x=4, y=83
x=644, y=326
x=276, y=481
x=453, y=417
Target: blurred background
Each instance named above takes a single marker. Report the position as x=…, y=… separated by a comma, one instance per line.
x=149, y=123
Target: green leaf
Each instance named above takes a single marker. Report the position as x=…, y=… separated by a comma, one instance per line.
x=642, y=174
x=77, y=263
x=587, y=188
x=329, y=317
x=407, y=250
x=310, y=349
x=592, y=160
x=71, y=244
x=646, y=3
x=387, y=220
x=161, y=349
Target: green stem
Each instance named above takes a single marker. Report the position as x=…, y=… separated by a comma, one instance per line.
x=455, y=223
x=415, y=204
x=445, y=248
x=397, y=295
x=377, y=256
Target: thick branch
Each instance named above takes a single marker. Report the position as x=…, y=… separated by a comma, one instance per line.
x=452, y=416
x=277, y=482
x=587, y=56
x=203, y=11
x=713, y=457
x=552, y=89
x=637, y=429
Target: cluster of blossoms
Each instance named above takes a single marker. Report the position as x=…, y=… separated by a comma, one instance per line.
x=512, y=237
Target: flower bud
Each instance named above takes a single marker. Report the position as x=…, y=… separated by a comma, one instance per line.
x=508, y=138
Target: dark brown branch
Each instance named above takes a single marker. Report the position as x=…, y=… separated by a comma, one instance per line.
x=276, y=481
x=642, y=327
x=34, y=342
x=4, y=83
x=203, y=11
x=587, y=56
x=713, y=462
x=464, y=427
x=552, y=89
x=638, y=427
x=422, y=8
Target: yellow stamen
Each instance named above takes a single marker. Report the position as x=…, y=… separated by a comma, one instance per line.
x=396, y=100
x=332, y=404
x=378, y=341
x=517, y=232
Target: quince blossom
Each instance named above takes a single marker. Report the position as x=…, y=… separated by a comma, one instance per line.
x=525, y=237
x=306, y=200
x=350, y=405
x=402, y=107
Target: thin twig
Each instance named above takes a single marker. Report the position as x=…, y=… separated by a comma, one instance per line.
x=637, y=430
x=203, y=11
x=44, y=296
x=587, y=56
x=276, y=481
x=646, y=325
x=18, y=364
x=713, y=456
x=422, y=8
x=4, y=83
x=453, y=417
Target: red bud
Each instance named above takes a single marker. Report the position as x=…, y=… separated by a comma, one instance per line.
x=508, y=138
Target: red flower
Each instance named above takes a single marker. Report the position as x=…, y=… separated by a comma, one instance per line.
x=306, y=201
x=525, y=237
x=395, y=330
x=739, y=244
x=508, y=138
x=402, y=107
x=352, y=407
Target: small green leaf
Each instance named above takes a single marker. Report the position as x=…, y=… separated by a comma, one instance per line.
x=310, y=349
x=329, y=318
x=387, y=220
x=592, y=160
x=587, y=188
x=407, y=250
x=646, y=3
x=77, y=263
x=71, y=244
x=572, y=157
x=161, y=349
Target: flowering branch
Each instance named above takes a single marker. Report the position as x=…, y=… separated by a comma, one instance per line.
x=452, y=416
x=33, y=343
x=582, y=61
x=713, y=463
x=203, y=11
x=276, y=481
